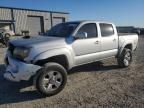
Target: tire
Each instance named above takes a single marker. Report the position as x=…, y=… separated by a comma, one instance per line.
x=51, y=79
x=125, y=58
x=6, y=39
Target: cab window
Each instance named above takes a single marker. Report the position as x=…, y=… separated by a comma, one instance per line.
x=106, y=30
x=90, y=29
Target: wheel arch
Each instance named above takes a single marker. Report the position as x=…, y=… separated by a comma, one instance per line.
x=62, y=54
x=60, y=59
x=128, y=46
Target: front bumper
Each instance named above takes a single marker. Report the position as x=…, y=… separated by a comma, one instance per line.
x=17, y=70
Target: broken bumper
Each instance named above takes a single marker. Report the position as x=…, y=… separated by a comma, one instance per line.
x=17, y=70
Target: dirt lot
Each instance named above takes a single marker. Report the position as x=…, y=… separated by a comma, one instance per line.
x=94, y=85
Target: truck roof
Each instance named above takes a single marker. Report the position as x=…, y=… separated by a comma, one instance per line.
x=89, y=21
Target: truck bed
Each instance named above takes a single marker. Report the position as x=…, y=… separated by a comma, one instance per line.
x=125, y=34
x=128, y=38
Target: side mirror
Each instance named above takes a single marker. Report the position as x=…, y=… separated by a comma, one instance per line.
x=82, y=35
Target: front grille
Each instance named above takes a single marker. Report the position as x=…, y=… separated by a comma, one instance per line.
x=11, y=48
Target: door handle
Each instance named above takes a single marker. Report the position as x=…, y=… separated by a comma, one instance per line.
x=114, y=39
x=97, y=42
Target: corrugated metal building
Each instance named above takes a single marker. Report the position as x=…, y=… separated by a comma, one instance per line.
x=34, y=21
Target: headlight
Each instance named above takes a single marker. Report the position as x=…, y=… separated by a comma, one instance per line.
x=21, y=53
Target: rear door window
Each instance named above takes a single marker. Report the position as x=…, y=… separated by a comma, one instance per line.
x=106, y=29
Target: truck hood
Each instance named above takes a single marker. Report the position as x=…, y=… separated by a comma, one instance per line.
x=39, y=41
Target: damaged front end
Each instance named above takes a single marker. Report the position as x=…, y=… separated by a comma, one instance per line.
x=17, y=70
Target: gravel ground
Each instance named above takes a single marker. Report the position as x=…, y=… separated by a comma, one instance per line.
x=100, y=84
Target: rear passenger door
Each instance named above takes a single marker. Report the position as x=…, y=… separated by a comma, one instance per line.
x=109, y=40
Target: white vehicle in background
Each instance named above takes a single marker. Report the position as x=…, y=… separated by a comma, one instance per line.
x=5, y=35
x=7, y=32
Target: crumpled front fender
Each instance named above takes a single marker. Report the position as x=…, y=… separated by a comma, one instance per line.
x=17, y=70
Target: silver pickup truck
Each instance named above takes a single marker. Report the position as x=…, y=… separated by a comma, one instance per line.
x=47, y=59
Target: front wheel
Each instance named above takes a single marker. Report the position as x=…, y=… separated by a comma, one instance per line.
x=51, y=79
x=125, y=58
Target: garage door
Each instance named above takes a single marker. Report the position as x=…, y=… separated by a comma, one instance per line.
x=57, y=20
x=34, y=25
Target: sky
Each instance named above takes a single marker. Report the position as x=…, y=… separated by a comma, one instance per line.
x=120, y=12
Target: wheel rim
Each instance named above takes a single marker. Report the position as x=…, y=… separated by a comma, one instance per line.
x=127, y=58
x=52, y=81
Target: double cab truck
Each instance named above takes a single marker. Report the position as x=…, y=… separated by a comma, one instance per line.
x=47, y=59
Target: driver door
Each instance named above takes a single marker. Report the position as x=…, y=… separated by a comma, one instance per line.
x=86, y=49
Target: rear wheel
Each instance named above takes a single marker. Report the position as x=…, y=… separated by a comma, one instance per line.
x=51, y=79
x=125, y=58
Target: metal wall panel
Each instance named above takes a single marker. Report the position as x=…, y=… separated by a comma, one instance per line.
x=5, y=14
x=58, y=18
x=21, y=19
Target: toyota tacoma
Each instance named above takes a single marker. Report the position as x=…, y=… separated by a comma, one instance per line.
x=47, y=59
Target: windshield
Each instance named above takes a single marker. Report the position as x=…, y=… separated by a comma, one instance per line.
x=63, y=29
